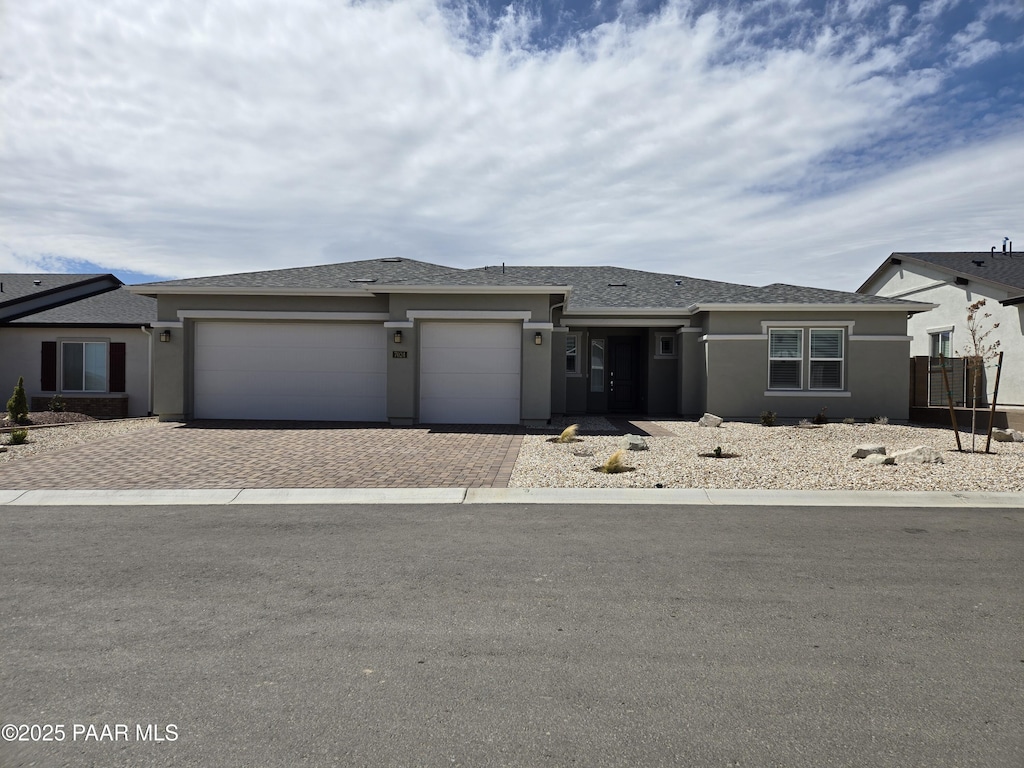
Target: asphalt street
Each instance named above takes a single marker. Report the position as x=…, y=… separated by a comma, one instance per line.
x=511, y=635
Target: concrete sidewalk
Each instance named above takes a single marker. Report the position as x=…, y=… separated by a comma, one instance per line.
x=584, y=496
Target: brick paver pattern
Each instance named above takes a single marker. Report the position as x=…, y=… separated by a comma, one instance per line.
x=277, y=455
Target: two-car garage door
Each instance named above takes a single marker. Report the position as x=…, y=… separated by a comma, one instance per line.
x=305, y=371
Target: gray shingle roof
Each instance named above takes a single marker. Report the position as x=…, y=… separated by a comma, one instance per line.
x=118, y=307
x=1002, y=268
x=339, y=276
x=17, y=285
x=590, y=288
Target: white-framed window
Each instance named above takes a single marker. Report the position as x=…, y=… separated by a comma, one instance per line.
x=940, y=343
x=785, y=358
x=826, y=358
x=597, y=365
x=664, y=345
x=83, y=366
x=572, y=355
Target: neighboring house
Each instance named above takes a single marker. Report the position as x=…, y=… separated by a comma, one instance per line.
x=403, y=341
x=83, y=337
x=953, y=281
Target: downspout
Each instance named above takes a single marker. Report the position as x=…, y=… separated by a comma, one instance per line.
x=149, y=373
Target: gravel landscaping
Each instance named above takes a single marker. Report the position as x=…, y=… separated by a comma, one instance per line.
x=53, y=431
x=782, y=457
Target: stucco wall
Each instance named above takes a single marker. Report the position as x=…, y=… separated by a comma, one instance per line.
x=20, y=353
x=951, y=313
x=876, y=368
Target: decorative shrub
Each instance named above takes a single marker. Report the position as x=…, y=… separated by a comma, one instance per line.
x=879, y=419
x=568, y=434
x=615, y=463
x=57, y=404
x=19, y=436
x=768, y=418
x=821, y=418
x=17, y=406
x=849, y=420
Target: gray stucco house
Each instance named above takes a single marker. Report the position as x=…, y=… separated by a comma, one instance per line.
x=404, y=341
x=952, y=281
x=83, y=337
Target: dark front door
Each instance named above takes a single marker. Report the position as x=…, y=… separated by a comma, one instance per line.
x=625, y=372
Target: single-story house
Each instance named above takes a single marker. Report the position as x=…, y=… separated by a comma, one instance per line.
x=83, y=337
x=404, y=341
x=953, y=281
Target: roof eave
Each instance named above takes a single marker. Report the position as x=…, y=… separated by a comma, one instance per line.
x=208, y=290
x=817, y=307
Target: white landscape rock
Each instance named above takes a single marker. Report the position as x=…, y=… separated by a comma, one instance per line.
x=1007, y=435
x=920, y=454
x=867, y=449
x=633, y=443
x=879, y=458
x=710, y=420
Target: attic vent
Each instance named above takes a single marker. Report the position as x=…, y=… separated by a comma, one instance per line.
x=37, y=282
x=391, y=260
x=961, y=281
x=679, y=282
x=363, y=280
x=616, y=285
x=978, y=262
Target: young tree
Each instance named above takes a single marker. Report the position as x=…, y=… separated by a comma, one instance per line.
x=17, y=406
x=978, y=350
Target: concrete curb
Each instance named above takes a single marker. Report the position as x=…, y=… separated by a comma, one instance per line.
x=582, y=496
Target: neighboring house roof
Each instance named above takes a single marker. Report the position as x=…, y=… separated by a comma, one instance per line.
x=587, y=289
x=1005, y=270
x=23, y=294
x=119, y=307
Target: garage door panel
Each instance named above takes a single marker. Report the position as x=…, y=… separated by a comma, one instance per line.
x=470, y=373
x=304, y=371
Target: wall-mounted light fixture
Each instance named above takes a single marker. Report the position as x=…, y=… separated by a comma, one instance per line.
x=538, y=339
x=398, y=337
x=165, y=335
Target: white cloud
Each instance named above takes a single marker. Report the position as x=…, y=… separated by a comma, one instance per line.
x=185, y=137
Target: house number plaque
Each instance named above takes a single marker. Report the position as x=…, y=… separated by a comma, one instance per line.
x=399, y=353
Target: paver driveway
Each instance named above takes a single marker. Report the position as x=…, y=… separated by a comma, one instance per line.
x=211, y=454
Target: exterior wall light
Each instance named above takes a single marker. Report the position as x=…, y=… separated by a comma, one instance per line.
x=398, y=337
x=165, y=335
x=538, y=339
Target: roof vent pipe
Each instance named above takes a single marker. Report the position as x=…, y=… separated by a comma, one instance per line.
x=37, y=282
x=1004, y=244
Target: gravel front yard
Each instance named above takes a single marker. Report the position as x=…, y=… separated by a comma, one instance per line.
x=783, y=457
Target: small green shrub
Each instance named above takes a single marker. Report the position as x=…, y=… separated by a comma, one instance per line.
x=768, y=418
x=879, y=419
x=19, y=436
x=57, y=404
x=17, y=406
x=821, y=418
x=718, y=452
x=849, y=420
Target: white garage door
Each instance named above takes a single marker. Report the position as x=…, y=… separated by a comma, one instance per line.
x=469, y=373
x=307, y=371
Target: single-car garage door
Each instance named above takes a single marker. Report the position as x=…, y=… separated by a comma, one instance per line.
x=469, y=373
x=307, y=371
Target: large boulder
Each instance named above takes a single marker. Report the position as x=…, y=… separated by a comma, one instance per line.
x=920, y=454
x=633, y=443
x=710, y=420
x=867, y=449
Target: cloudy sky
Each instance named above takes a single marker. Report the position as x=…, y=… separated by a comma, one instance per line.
x=754, y=142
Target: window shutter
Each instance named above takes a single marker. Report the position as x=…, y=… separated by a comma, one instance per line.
x=48, y=368
x=117, y=366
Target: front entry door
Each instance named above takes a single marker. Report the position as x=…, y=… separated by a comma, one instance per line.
x=624, y=374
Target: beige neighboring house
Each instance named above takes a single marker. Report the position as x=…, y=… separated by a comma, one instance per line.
x=953, y=281
x=83, y=337
x=402, y=341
